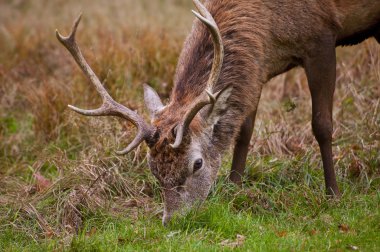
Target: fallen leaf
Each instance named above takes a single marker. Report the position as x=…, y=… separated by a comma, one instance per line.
x=131, y=203
x=91, y=232
x=122, y=240
x=282, y=233
x=225, y=242
x=42, y=183
x=343, y=228
x=313, y=232
x=294, y=145
x=240, y=238
x=49, y=234
x=173, y=233
x=355, y=168
x=352, y=247
x=239, y=241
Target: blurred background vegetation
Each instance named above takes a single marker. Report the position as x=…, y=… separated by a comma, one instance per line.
x=56, y=167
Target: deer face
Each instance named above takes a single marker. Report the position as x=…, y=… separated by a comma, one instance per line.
x=185, y=172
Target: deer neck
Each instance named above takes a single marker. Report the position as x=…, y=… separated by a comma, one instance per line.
x=240, y=70
x=244, y=68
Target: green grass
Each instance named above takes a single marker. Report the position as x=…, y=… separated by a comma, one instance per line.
x=273, y=213
x=299, y=229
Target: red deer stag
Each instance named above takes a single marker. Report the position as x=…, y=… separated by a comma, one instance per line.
x=218, y=84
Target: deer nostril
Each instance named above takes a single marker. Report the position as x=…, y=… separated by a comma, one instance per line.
x=179, y=189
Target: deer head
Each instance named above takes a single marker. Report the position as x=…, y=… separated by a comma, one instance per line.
x=182, y=155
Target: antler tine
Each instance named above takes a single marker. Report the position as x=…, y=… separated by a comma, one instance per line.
x=206, y=18
x=109, y=106
x=70, y=43
x=189, y=116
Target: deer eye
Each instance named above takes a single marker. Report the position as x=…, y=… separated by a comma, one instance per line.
x=197, y=164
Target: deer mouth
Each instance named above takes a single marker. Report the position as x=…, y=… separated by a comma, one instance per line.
x=179, y=201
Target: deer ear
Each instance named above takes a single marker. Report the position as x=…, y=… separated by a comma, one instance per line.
x=219, y=107
x=152, y=101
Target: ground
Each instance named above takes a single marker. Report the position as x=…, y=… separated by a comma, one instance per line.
x=62, y=187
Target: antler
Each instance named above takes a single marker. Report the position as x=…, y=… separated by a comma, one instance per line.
x=209, y=21
x=109, y=106
x=206, y=18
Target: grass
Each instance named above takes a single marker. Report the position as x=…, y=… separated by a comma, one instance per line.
x=63, y=188
x=291, y=220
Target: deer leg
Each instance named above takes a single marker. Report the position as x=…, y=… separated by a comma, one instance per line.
x=241, y=149
x=321, y=74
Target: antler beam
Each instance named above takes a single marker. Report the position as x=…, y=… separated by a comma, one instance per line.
x=109, y=106
x=206, y=18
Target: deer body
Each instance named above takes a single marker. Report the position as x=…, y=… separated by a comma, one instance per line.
x=251, y=41
x=263, y=39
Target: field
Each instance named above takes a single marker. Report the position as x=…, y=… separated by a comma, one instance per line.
x=62, y=187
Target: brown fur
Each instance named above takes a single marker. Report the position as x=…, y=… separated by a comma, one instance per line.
x=262, y=38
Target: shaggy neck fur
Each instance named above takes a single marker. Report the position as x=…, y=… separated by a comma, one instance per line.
x=262, y=38
x=240, y=68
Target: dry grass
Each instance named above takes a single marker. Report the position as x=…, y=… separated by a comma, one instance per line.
x=57, y=167
x=38, y=79
x=283, y=126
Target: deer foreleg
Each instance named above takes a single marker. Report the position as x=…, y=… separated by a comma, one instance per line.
x=321, y=73
x=241, y=149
